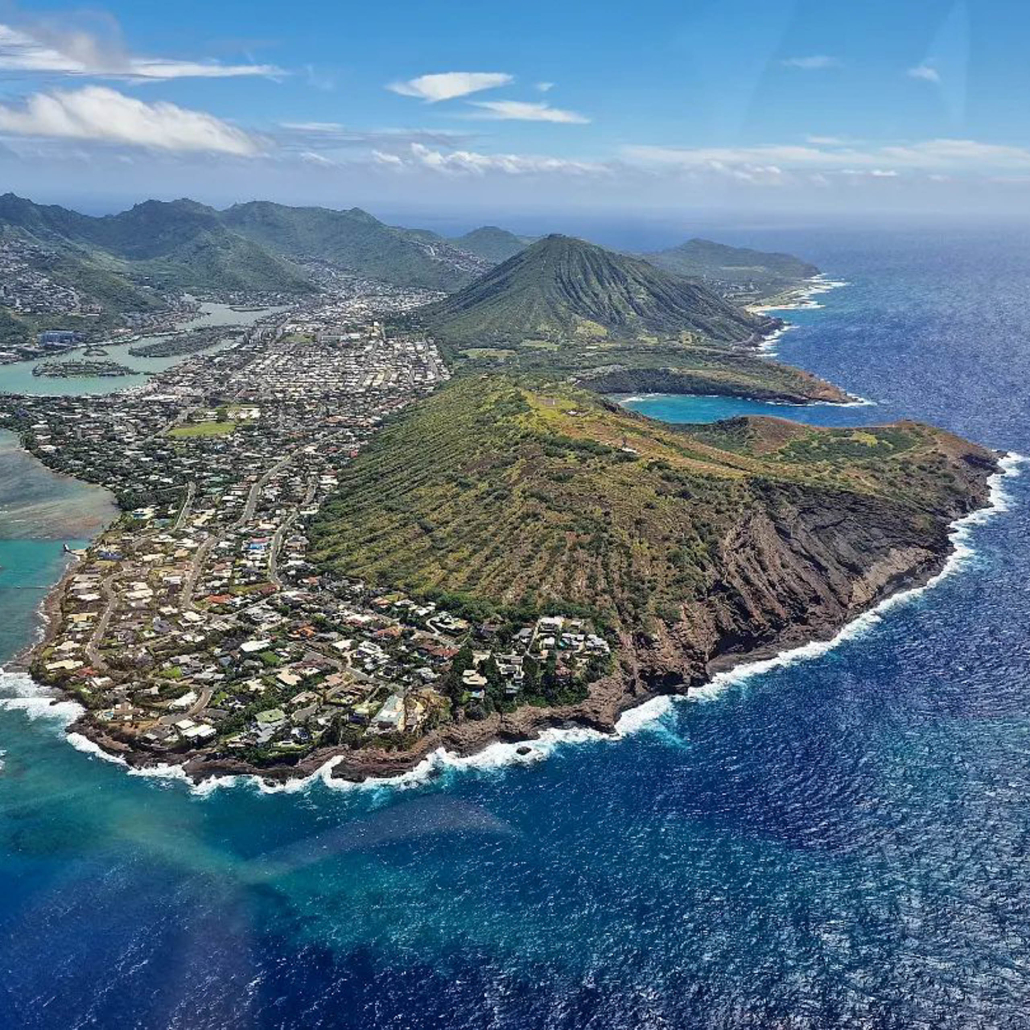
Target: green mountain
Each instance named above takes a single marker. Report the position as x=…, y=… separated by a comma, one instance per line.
x=185, y=245
x=562, y=288
x=491, y=244
x=690, y=543
x=737, y=266
x=354, y=240
x=181, y=245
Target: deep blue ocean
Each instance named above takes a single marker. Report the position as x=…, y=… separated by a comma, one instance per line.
x=840, y=842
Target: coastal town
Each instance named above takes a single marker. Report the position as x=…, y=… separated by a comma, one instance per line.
x=198, y=627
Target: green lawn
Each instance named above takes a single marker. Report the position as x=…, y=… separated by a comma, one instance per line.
x=203, y=429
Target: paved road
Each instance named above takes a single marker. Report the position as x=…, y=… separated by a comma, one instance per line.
x=191, y=492
x=93, y=647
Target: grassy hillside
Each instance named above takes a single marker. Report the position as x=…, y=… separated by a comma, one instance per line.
x=562, y=288
x=737, y=266
x=535, y=493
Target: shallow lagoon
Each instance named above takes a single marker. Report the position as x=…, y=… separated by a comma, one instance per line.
x=17, y=377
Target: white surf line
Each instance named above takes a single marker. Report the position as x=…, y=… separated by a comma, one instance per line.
x=961, y=553
x=38, y=702
x=858, y=402
x=802, y=301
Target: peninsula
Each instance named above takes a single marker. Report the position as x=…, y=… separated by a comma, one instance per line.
x=373, y=526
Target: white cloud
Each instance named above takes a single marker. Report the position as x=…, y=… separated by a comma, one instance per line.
x=41, y=48
x=924, y=71
x=519, y=110
x=334, y=136
x=872, y=173
x=470, y=162
x=814, y=63
x=104, y=115
x=311, y=158
x=448, y=85
x=928, y=155
x=545, y=87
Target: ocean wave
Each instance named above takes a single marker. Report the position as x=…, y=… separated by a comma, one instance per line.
x=19, y=692
x=768, y=344
x=857, y=402
x=439, y=764
x=802, y=300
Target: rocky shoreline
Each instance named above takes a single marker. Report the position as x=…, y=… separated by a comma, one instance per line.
x=659, y=668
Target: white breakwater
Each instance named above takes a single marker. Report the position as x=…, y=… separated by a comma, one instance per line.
x=23, y=694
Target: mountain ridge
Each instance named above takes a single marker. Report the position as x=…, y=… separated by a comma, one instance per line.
x=561, y=286
x=733, y=266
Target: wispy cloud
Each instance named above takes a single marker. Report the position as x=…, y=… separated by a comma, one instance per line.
x=100, y=114
x=523, y=111
x=448, y=85
x=320, y=80
x=545, y=87
x=813, y=63
x=334, y=136
x=924, y=71
x=935, y=154
x=43, y=48
x=467, y=162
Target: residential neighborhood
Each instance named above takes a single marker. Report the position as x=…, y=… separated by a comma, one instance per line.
x=199, y=622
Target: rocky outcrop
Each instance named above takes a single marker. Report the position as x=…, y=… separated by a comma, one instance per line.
x=796, y=571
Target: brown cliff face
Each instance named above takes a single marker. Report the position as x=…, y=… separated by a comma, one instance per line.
x=795, y=574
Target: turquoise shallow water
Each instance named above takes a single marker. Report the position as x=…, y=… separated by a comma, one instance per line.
x=679, y=408
x=17, y=377
x=839, y=842
x=39, y=513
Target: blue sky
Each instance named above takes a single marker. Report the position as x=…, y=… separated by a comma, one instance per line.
x=778, y=105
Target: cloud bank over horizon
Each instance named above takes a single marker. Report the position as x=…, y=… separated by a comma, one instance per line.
x=591, y=113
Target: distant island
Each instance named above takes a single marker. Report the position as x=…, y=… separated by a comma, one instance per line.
x=402, y=513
